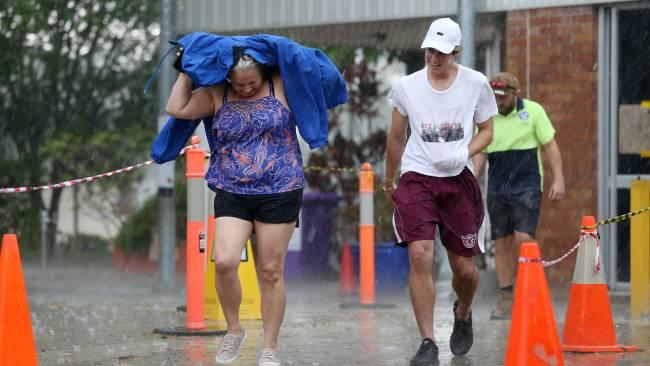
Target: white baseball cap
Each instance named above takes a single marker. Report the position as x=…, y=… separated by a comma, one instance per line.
x=443, y=35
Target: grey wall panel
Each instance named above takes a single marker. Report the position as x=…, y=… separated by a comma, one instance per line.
x=239, y=15
x=242, y=15
x=389, y=34
x=337, y=21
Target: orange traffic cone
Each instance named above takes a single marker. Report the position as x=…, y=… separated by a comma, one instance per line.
x=589, y=325
x=346, y=275
x=16, y=338
x=533, y=338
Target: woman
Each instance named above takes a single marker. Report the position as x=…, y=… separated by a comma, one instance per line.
x=256, y=172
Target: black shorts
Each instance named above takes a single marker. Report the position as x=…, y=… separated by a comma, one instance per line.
x=514, y=212
x=274, y=208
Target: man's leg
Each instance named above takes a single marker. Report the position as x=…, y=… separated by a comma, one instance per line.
x=464, y=282
x=501, y=215
x=504, y=248
x=421, y=286
x=507, y=257
x=423, y=298
x=519, y=238
x=505, y=269
x=415, y=225
x=526, y=215
x=507, y=262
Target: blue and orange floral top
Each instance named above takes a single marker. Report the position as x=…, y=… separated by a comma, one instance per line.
x=257, y=149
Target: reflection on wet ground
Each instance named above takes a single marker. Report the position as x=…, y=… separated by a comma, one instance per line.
x=95, y=316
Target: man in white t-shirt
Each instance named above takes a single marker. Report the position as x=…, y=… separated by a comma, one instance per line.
x=442, y=104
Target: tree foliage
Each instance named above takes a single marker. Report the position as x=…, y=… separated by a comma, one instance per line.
x=71, y=97
x=360, y=139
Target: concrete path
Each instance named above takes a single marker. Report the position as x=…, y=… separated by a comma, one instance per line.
x=92, y=315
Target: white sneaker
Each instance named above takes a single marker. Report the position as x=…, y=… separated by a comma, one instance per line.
x=229, y=346
x=269, y=357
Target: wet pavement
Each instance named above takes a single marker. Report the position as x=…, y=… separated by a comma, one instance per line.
x=92, y=315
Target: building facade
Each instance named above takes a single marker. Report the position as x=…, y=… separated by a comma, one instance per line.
x=584, y=61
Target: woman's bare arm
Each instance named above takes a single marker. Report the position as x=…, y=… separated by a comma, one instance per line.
x=187, y=104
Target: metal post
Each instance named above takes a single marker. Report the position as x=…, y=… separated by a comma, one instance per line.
x=44, y=221
x=167, y=211
x=366, y=235
x=467, y=22
x=604, y=140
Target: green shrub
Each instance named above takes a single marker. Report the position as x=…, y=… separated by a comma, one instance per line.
x=85, y=248
x=136, y=234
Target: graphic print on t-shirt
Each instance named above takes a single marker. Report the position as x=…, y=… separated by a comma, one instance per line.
x=446, y=126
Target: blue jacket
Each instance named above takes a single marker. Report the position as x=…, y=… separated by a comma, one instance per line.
x=312, y=84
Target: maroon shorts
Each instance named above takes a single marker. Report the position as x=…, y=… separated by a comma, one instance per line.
x=452, y=203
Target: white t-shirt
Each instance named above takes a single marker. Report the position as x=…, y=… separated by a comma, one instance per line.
x=442, y=122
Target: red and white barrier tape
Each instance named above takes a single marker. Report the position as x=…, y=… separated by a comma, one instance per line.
x=73, y=182
x=583, y=234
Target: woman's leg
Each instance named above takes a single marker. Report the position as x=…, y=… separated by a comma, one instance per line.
x=272, y=242
x=231, y=235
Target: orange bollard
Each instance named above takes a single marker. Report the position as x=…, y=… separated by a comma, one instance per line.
x=346, y=275
x=16, y=338
x=366, y=235
x=196, y=237
x=589, y=325
x=533, y=338
x=196, y=250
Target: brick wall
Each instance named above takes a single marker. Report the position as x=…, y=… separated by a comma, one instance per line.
x=562, y=76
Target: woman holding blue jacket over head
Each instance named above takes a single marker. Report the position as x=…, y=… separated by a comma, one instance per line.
x=256, y=167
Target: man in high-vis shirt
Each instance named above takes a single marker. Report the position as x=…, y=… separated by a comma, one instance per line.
x=523, y=134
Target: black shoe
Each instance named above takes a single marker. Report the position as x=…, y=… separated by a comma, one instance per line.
x=462, y=337
x=427, y=354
